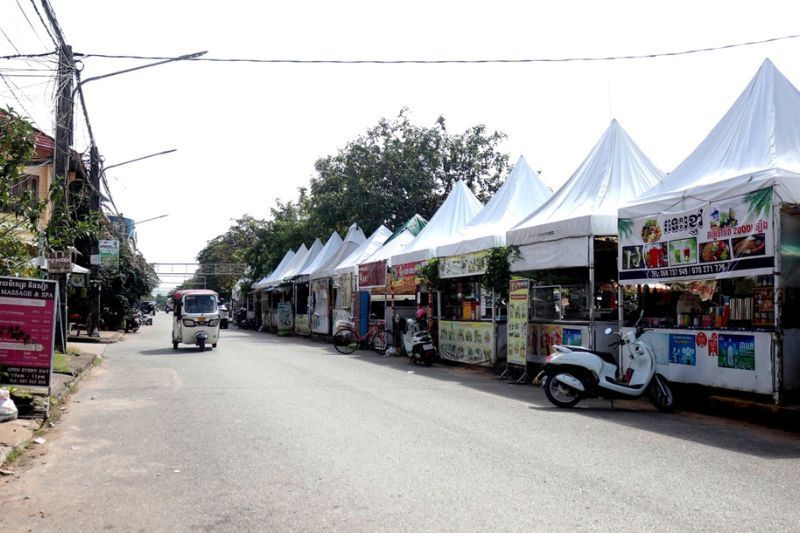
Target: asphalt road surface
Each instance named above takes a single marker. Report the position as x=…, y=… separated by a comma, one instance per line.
x=283, y=434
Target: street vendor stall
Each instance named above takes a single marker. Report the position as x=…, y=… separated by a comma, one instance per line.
x=300, y=291
x=324, y=293
x=456, y=211
x=711, y=254
x=373, y=279
x=567, y=250
x=267, y=303
x=318, y=291
x=346, y=303
x=282, y=293
x=469, y=330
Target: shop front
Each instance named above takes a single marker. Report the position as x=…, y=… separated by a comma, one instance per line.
x=468, y=330
x=302, y=294
x=321, y=306
x=710, y=282
x=567, y=305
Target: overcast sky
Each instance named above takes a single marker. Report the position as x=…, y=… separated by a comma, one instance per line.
x=247, y=134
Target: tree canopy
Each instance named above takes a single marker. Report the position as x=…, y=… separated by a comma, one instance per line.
x=391, y=172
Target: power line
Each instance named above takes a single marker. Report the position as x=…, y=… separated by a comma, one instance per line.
x=24, y=14
x=28, y=56
x=455, y=61
x=33, y=3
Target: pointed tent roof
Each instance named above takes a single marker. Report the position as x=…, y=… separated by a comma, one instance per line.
x=756, y=144
x=365, y=249
x=460, y=207
x=521, y=194
x=315, y=249
x=397, y=241
x=351, y=241
x=268, y=280
x=324, y=255
x=615, y=171
x=291, y=269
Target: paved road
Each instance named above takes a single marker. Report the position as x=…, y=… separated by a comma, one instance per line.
x=271, y=434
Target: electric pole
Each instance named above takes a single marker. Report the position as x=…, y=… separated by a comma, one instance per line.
x=63, y=147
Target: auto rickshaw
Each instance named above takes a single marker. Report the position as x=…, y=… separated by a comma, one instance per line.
x=195, y=319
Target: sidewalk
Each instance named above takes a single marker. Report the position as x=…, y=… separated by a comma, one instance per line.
x=18, y=434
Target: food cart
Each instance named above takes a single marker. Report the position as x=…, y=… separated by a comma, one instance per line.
x=567, y=253
x=456, y=211
x=710, y=256
x=469, y=330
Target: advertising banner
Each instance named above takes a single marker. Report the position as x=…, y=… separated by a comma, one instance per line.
x=405, y=277
x=458, y=266
x=372, y=275
x=467, y=342
x=720, y=239
x=518, y=301
x=301, y=325
x=285, y=318
x=27, y=330
x=731, y=360
x=109, y=255
x=541, y=337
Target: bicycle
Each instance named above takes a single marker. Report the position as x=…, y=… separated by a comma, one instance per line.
x=346, y=339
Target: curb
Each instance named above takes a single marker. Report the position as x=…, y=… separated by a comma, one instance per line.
x=35, y=425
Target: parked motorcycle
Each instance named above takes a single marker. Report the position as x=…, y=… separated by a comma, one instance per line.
x=417, y=341
x=572, y=373
x=147, y=319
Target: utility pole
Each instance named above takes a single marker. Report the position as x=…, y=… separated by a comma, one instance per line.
x=94, y=251
x=63, y=146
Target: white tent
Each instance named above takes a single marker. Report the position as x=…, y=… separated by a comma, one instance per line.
x=351, y=241
x=365, y=249
x=324, y=255
x=268, y=281
x=521, y=194
x=558, y=234
x=755, y=145
x=299, y=258
x=310, y=256
x=460, y=207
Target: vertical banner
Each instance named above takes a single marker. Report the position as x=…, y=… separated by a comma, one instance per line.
x=109, y=255
x=518, y=321
x=27, y=330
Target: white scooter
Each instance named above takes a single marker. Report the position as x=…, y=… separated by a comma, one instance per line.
x=572, y=373
x=417, y=342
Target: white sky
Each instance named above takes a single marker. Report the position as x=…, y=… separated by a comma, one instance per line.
x=247, y=134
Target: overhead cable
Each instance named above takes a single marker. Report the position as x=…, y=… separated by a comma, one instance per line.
x=453, y=61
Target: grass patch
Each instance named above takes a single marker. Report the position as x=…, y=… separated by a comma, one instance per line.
x=14, y=454
x=61, y=364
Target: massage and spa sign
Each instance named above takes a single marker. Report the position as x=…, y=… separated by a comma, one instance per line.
x=27, y=330
x=726, y=238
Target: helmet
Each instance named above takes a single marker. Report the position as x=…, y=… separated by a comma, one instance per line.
x=420, y=313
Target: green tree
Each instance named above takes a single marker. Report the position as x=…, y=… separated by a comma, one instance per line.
x=19, y=207
x=398, y=169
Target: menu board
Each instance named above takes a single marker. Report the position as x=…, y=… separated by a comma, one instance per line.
x=285, y=317
x=542, y=337
x=457, y=266
x=725, y=238
x=467, y=342
x=519, y=291
x=301, y=325
x=27, y=330
x=405, y=277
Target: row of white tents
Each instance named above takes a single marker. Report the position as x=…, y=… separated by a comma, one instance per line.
x=756, y=145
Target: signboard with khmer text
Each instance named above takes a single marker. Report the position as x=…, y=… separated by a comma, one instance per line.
x=719, y=239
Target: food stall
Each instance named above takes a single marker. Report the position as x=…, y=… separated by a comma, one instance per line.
x=318, y=290
x=283, y=293
x=345, y=281
x=456, y=211
x=568, y=248
x=301, y=292
x=323, y=291
x=374, y=282
x=710, y=256
x=468, y=330
x=268, y=300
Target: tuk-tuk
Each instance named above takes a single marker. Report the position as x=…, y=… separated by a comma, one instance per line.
x=196, y=318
